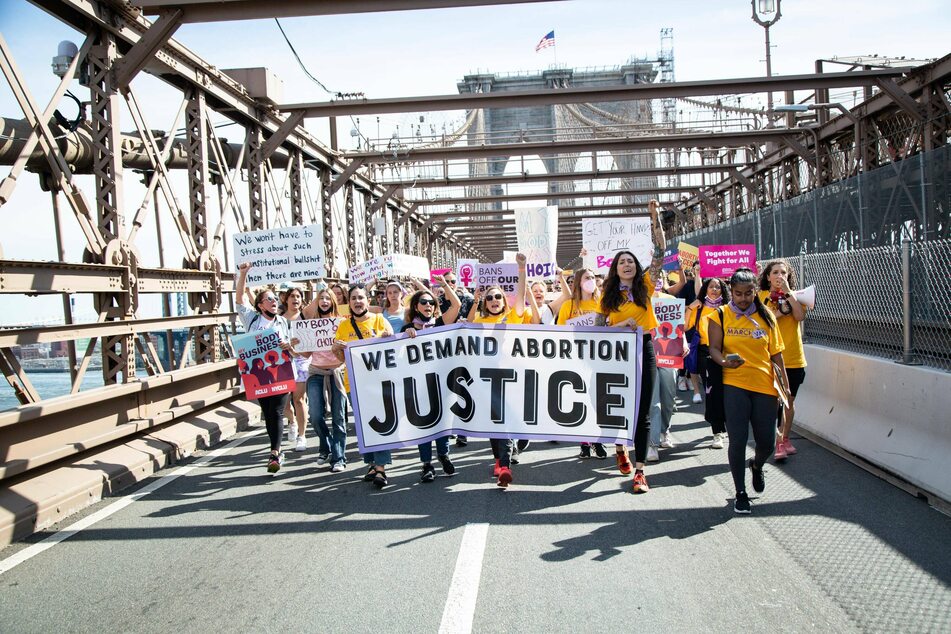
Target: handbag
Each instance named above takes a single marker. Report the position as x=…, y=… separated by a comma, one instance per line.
x=691, y=362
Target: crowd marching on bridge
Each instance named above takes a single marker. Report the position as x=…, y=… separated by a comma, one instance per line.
x=741, y=344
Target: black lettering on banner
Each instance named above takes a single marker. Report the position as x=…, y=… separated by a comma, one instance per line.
x=556, y=383
x=607, y=401
x=390, y=356
x=386, y=426
x=564, y=349
x=427, y=347
x=457, y=381
x=412, y=355
x=412, y=401
x=604, y=350
x=371, y=360
x=548, y=348
x=517, y=348
x=443, y=349
x=532, y=349
x=491, y=347
x=531, y=398
x=497, y=378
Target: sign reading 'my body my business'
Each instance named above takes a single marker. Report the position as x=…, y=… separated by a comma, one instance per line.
x=573, y=385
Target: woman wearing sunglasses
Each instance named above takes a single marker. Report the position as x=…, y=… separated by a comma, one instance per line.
x=626, y=303
x=491, y=307
x=422, y=313
x=264, y=316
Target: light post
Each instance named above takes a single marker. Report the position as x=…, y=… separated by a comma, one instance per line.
x=761, y=17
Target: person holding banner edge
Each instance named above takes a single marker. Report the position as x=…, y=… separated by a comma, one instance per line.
x=491, y=307
x=421, y=314
x=363, y=324
x=625, y=303
x=263, y=316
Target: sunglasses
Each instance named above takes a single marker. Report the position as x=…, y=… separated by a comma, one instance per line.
x=427, y=302
x=489, y=298
x=448, y=281
x=269, y=299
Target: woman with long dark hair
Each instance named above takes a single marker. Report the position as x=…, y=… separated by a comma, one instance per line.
x=626, y=303
x=776, y=285
x=745, y=342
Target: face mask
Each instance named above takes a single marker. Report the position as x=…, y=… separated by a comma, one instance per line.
x=356, y=314
x=589, y=285
x=268, y=314
x=321, y=311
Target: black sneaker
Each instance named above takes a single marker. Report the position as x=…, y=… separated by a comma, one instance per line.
x=742, y=504
x=585, y=451
x=522, y=444
x=461, y=441
x=370, y=474
x=429, y=474
x=447, y=467
x=599, y=451
x=759, y=482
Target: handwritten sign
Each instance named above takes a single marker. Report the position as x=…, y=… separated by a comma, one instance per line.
x=503, y=275
x=588, y=319
x=689, y=254
x=669, y=339
x=281, y=255
x=314, y=335
x=722, y=260
x=537, y=232
x=466, y=272
x=390, y=265
x=602, y=238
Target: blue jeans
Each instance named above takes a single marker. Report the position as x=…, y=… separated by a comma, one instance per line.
x=662, y=403
x=426, y=449
x=378, y=458
x=332, y=443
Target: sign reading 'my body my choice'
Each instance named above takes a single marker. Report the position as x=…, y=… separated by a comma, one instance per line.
x=488, y=381
x=602, y=238
x=281, y=255
x=537, y=231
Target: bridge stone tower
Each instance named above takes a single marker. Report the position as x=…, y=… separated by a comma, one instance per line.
x=561, y=122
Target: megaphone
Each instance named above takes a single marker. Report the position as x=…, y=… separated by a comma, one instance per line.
x=806, y=297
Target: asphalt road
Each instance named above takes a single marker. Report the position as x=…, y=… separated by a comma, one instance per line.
x=568, y=547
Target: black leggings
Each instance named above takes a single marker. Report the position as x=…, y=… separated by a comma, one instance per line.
x=744, y=409
x=273, y=409
x=712, y=376
x=648, y=376
x=796, y=377
x=502, y=450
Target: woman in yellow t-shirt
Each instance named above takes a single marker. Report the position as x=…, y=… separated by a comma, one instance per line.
x=710, y=296
x=747, y=344
x=363, y=324
x=626, y=303
x=491, y=307
x=585, y=300
x=776, y=285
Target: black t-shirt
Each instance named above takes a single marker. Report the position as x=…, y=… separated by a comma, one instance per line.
x=439, y=322
x=687, y=293
x=465, y=299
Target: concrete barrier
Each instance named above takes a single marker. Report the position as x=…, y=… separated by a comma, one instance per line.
x=896, y=417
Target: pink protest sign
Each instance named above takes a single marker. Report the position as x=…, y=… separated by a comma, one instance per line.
x=467, y=272
x=721, y=260
x=434, y=272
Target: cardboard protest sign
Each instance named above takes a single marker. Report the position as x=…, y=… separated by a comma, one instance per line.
x=588, y=319
x=314, y=335
x=539, y=383
x=722, y=260
x=537, y=232
x=669, y=339
x=689, y=254
x=504, y=275
x=391, y=265
x=602, y=238
x=280, y=256
x=265, y=369
x=466, y=273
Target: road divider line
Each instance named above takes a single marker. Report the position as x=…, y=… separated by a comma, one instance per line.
x=464, y=590
x=76, y=527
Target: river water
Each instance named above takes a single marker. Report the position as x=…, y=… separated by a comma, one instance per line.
x=49, y=385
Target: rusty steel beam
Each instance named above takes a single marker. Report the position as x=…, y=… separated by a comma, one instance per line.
x=229, y=10
x=641, y=191
x=585, y=94
x=48, y=334
x=22, y=276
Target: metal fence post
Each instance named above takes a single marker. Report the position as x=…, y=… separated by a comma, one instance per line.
x=907, y=356
x=802, y=284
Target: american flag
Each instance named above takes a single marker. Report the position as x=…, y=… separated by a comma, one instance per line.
x=548, y=40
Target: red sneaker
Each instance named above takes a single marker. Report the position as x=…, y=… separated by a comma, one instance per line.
x=496, y=469
x=623, y=464
x=780, y=454
x=640, y=483
x=505, y=477
x=789, y=448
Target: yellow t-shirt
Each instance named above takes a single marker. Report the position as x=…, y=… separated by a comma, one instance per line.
x=644, y=317
x=572, y=309
x=793, y=356
x=705, y=312
x=510, y=317
x=369, y=328
x=756, y=342
x=343, y=310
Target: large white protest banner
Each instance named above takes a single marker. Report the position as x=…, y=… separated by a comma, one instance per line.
x=504, y=275
x=602, y=238
x=390, y=265
x=537, y=232
x=532, y=382
x=281, y=255
x=314, y=335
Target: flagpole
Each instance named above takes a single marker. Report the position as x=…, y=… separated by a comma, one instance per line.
x=554, y=48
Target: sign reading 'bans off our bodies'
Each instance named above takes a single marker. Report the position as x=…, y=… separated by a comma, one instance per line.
x=282, y=255
x=488, y=381
x=503, y=275
x=603, y=238
x=721, y=260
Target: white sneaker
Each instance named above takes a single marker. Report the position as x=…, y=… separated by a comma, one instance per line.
x=338, y=467
x=292, y=433
x=652, y=455
x=717, y=441
x=682, y=384
x=665, y=440
x=697, y=398
x=301, y=443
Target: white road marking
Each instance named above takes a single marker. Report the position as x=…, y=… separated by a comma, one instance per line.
x=28, y=553
x=464, y=589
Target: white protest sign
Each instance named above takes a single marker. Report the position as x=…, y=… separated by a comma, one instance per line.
x=603, y=237
x=391, y=265
x=539, y=383
x=281, y=255
x=466, y=272
x=314, y=335
x=509, y=256
x=537, y=231
x=504, y=275
x=588, y=319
